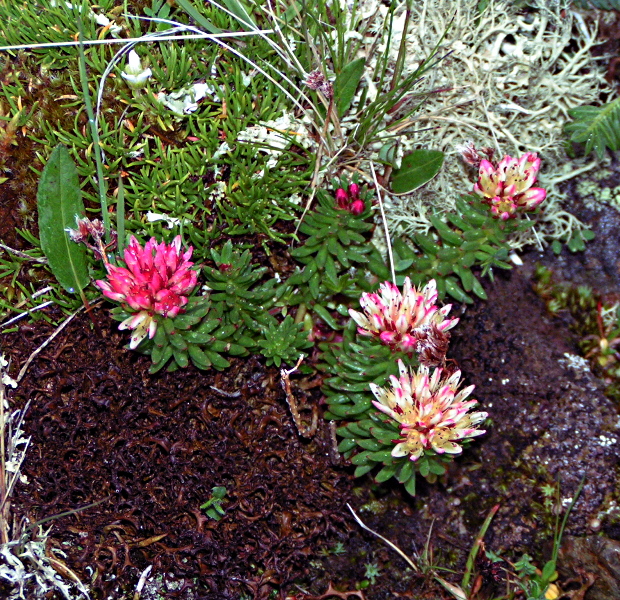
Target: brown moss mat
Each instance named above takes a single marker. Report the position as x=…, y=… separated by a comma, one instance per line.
x=153, y=448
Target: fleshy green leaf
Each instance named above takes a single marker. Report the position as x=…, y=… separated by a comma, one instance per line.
x=59, y=202
x=417, y=168
x=189, y=8
x=325, y=315
x=240, y=11
x=410, y=485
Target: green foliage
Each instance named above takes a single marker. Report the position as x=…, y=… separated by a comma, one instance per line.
x=468, y=238
x=534, y=583
x=334, y=255
x=213, y=506
x=283, y=342
x=351, y=365
x=576, y=242
x=594, y=319
x=197, y=335
x=417, y=168
x=48, y=21
x=368, y=434
x=598, y=127
x=240, y=294
x=372, y=572
x=59, y=203
x=346, y=84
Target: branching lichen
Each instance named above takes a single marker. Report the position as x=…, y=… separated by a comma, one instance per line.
x=505, y=80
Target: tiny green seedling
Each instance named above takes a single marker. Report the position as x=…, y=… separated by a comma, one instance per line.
x=213, y=506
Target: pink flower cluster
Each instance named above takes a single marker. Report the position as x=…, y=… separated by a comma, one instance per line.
x=409, y=321
x=350, y=200
x=157, y=280
x=507, y=187
x=430, y=411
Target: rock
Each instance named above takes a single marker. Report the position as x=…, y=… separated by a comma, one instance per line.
x=550, y=422
x=594, y=556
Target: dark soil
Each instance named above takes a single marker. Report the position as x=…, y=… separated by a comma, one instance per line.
x=153, y=448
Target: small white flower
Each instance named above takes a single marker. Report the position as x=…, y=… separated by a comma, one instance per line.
x=134, y=74
x=6, y=380
x=171, y=222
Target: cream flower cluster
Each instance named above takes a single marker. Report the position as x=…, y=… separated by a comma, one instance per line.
x=507, y=186
x=430, y=411
x=408, y=321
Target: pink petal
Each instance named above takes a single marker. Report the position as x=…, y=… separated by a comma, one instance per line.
x=532, y=198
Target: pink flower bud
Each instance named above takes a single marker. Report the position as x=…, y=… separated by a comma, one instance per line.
x=342, y=199
x=157, y=279
x=387, y=337
x=507, y=186
x=354, y=191
x=357, y=207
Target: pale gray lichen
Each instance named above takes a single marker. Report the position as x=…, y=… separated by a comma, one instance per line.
x=507, y=80
x=513, y=81
x=573, y=361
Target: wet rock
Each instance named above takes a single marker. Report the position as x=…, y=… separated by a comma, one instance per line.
x=598, y=266
x=550, y=422
x=596, y=559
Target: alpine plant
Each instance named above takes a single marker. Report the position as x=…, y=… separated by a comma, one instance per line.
x=507, y=187
x=408, y=322
x=156, y=282
x=430, y=411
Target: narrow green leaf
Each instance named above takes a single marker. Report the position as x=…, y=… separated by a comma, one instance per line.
x=386, y=472
x=407, y=471
x=368, y=444
x=239, y=10
x=189, y=8
x=120, y=216
x=478, y=289
x=361, y=458
x=410, y=485
x=346, y=445
x=436, y=467
x=59, y=202
x=363, y=469
x=346, y=84
x=325, y=315
x=417, y=168
x=455, y=290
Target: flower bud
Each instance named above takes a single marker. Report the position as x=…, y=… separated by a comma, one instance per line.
x=354, y=191
x=357, y=207
x=134, y=74
x=342, y=199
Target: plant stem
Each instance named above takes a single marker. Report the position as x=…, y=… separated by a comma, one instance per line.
x=469, y=567
x=94, y=132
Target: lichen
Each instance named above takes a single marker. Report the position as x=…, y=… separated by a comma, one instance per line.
x=506, y=80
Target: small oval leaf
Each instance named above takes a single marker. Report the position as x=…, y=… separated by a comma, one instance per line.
x=59, y=202
x=346, y=84
x=417, y=168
